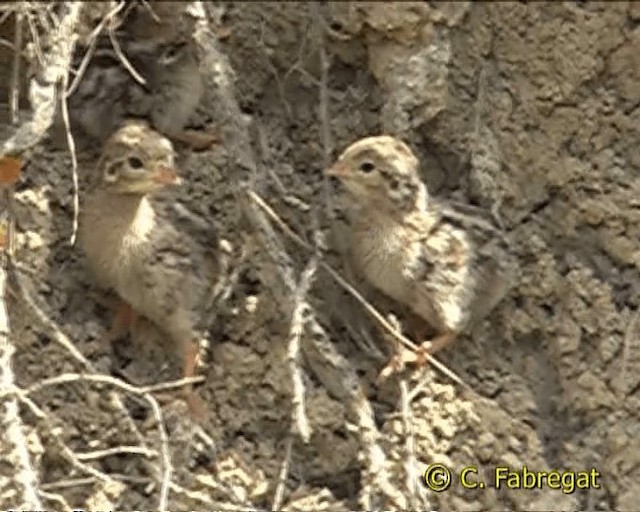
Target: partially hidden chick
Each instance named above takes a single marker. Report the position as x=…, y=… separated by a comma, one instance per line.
x=135, y=248
x=155, y=75
x=447, y=264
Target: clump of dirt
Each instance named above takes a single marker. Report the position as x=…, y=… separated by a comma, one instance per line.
x=527, y=110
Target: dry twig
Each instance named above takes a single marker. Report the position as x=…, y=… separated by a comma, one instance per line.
x=56, y=498
x=278, y=496
x=74, y=159
x=117, y=450
x=123, y=58
x=299, y=416
x=14, y=99
x=93, y=41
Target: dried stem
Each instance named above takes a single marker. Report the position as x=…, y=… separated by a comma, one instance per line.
x=123, y=58
x=74, y=159
x=14, y=98
x=278, y=496
x=93, y=41
x=299, y=416
x=117, y=450
x=62, y=503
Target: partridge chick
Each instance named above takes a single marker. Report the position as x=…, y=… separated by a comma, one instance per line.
x=166, y=58
x=134, y=246
x=448, y=265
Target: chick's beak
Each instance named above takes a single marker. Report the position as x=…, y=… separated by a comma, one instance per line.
x=337, y=170
x=166, y=176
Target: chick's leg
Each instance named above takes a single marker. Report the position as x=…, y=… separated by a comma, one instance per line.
x=189, y=360
x=125, y=319
x=401, y=354
x=434, y=345
x=404, y=356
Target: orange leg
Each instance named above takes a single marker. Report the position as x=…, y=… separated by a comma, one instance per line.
x=403, y=355
x=433, y=346
x=196, y=405
x=419, y=357
x=125, y=319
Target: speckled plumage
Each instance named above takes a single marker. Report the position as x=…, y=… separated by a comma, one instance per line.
x=108, y=94
x=134, y=246
x=161, y=49
x=446, y=263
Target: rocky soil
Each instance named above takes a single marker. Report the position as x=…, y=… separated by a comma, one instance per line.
x=531, y=111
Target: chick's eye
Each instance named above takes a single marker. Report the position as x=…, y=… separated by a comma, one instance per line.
x=111, y=171
x=367, y=167
x=172, y=53
x=134, y=162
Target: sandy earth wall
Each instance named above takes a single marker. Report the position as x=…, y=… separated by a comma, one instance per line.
x=531, y=111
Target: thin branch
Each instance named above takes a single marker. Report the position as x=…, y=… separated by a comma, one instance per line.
x=66, y=484
x=89, y=480
x=117, y=450
x=327, y=362
x=66, y=378
x=93, y=41
x=299, y=415
x=7, y=44
x=278, y=496
x=125, y=62
x=377, y=474
x=419, y=387
x=74, y=159
x=167, y=467
x=6, y=12
x=107, y=487
x=35, y=36
x=62, y=503
x=14, y=96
